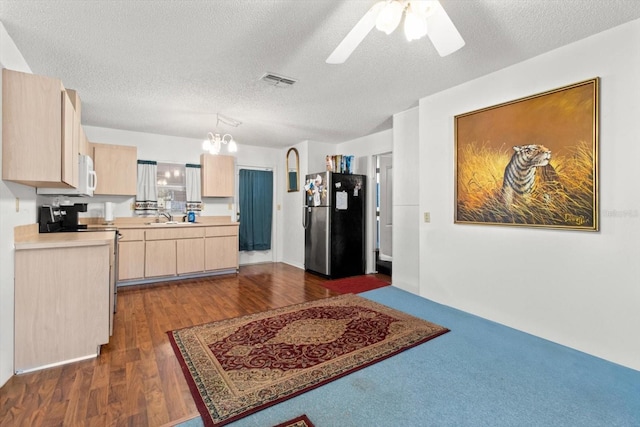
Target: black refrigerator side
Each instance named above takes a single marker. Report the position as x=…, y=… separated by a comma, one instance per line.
x=347, y=239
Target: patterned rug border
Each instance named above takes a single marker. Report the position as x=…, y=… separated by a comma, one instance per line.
x=302, y=418
x=195, y=392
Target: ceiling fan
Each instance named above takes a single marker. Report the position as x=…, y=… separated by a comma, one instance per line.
x=421, y=17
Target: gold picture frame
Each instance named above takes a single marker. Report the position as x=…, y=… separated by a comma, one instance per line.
x=292, y=168
x=530, y=162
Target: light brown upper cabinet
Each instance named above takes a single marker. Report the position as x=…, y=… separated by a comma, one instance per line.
x=39, y=143
x=217, y=175
x=83, y=147
x=293, y=170
x=116, y=169
x=84, y=143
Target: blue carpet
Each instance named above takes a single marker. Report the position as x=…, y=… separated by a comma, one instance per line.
x=479, y=374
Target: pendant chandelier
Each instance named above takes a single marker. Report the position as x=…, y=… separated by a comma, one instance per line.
x=214, y=141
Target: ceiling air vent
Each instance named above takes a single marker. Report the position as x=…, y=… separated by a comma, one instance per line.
x=276, y=80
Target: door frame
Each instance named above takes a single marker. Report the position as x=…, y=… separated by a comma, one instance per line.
x=385, y=208
x=373, y=234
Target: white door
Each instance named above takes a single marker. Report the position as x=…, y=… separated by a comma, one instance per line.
x=386, y=206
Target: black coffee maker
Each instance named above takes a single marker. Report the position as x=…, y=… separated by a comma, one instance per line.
x=50, y=219
x=61, y=218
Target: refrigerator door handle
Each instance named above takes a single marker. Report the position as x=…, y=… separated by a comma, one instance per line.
x=305, y=223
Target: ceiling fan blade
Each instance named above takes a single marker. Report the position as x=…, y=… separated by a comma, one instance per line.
x=443, y=34
x=355, y=36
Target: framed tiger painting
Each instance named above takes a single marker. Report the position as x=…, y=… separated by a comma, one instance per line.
x=530, y=162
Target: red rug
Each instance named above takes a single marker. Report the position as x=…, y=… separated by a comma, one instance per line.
x=238, y=366
x=301, y=421
x=355, y=284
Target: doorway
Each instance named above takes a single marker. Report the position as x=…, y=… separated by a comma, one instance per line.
x=252, y=179
x=384, y=213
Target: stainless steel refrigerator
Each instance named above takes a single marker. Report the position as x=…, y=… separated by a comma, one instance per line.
x=334, y=222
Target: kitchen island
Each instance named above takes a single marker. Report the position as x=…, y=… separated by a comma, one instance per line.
x=63, y=296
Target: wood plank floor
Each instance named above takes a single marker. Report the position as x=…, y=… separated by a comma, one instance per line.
x=136, y=380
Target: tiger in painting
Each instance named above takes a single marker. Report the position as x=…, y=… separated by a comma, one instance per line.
x=520, y=174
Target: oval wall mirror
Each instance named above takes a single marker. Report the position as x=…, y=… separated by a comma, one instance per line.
x=293, y=170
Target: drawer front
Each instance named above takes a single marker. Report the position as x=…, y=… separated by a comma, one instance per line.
x=226, y=230
x=131, y=234
x=185, y=232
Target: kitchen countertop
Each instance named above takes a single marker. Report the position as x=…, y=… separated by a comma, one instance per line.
x=150, y=222
x=154, y=225
x=99, y=234
x=61, y=240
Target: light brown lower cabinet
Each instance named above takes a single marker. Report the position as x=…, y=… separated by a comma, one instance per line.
x=147, y=253
x=221, y=252
x=221, y=247
x=190, y=255
x=160, y=258
x=131, y=254
x=131, y=260
x=61, y=309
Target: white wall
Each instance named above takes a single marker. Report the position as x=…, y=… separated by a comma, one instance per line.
x=317, y=156
x=292, y=230
x=406, y=200
x=580, y=289
x=12, y=214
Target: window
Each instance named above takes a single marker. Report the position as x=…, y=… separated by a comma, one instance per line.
x=172, y=190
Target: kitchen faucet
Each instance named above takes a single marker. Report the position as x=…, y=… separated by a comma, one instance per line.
x=167, y=215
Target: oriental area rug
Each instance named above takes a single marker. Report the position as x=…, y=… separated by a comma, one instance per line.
x=355, y=284
x=238, y=366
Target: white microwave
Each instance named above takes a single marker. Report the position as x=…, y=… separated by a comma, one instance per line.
x=87, y=181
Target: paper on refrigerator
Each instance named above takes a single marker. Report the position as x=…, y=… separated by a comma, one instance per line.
x=342, y=200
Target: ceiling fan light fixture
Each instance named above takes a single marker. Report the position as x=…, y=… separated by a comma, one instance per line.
x=431, y=19
x=389, y=17
x=423, y=8
x=415, y=26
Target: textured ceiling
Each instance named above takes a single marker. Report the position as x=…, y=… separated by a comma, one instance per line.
x=167, y=67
